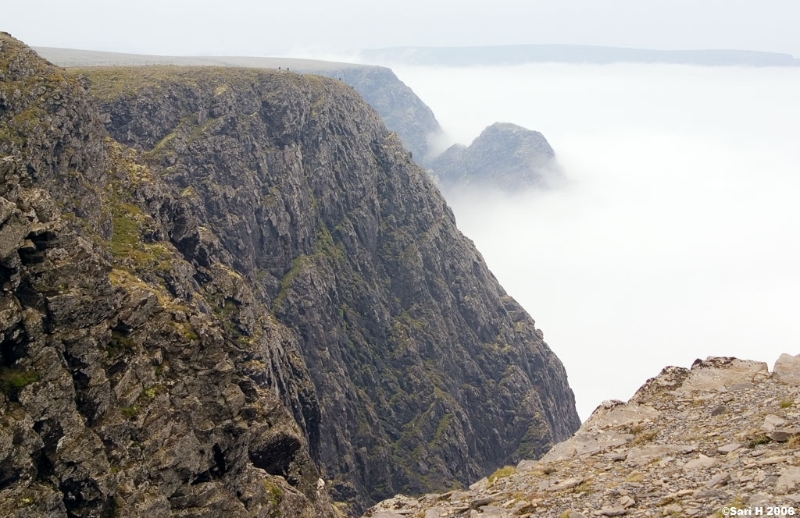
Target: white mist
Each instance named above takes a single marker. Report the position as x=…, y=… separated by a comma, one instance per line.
x=677, y=235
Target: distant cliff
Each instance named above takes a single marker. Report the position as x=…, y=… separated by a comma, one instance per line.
x=231, y=292
x=578, y=54
x=503, y=156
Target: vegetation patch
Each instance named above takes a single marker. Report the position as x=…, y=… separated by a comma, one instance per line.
x=151, y=392
x=129, y=412
x=274, y=493
x=119, y=344
x=287, y=280
x=758, y=440
x=636, y=476
x=504, y=472
x=14, y=379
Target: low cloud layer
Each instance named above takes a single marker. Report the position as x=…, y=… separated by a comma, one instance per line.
x=676, y=235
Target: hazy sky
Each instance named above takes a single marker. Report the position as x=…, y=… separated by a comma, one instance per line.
x=262, y=28
x=676, y=236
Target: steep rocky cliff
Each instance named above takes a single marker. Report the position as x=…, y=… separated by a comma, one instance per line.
x=504, y=156
x=399, y=107
x=122, y=390
x=241, y=279
x=719, y=439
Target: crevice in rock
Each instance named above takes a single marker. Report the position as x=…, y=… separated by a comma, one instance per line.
x=8, y=475
x=276, y=455
x=50, y=431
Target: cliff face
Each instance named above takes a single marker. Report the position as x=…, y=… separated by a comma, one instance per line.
x=123, y=393
x=249, y=273
x=399, y=107
x=503, y=156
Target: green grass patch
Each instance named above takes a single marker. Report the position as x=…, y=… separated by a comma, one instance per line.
x=274, y=493
x=504, y=472
x=13, y=380
x=129, y=412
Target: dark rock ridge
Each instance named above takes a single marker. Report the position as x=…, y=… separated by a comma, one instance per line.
x=504, y=155
x=399, y=107
x=241, y=285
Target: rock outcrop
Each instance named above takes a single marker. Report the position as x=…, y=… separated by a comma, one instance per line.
x=504, y=156
x=231, y=292
x=723, y=435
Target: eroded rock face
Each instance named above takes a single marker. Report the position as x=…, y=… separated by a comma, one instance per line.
x=399, y=107
x=122, y=392
x=690, y=442
x=262, y=284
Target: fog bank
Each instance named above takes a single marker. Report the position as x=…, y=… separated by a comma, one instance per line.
x=676, y=236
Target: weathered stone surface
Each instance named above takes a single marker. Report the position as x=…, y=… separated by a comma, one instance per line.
x=718, y=480
x=729, y=448
x=399, y=107
x=707, y=375
x=788, y=481
x=701, y=462
x=787, y=369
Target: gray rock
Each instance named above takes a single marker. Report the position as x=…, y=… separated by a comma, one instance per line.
x=771, y=422
x=643, y=454
x=701, y=462
x=728, y=448
x=716, y=374
x=568, y=483
x=720, y=479
x=481, y=502
x=787, y=369
x=781, y=435
x=788, y=481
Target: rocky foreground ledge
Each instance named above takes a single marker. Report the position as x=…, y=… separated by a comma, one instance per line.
x=719, y=439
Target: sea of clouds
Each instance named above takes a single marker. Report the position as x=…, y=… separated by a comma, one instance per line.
x=677, y=233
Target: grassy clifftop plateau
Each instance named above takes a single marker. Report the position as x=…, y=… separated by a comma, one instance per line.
x=401, y=110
